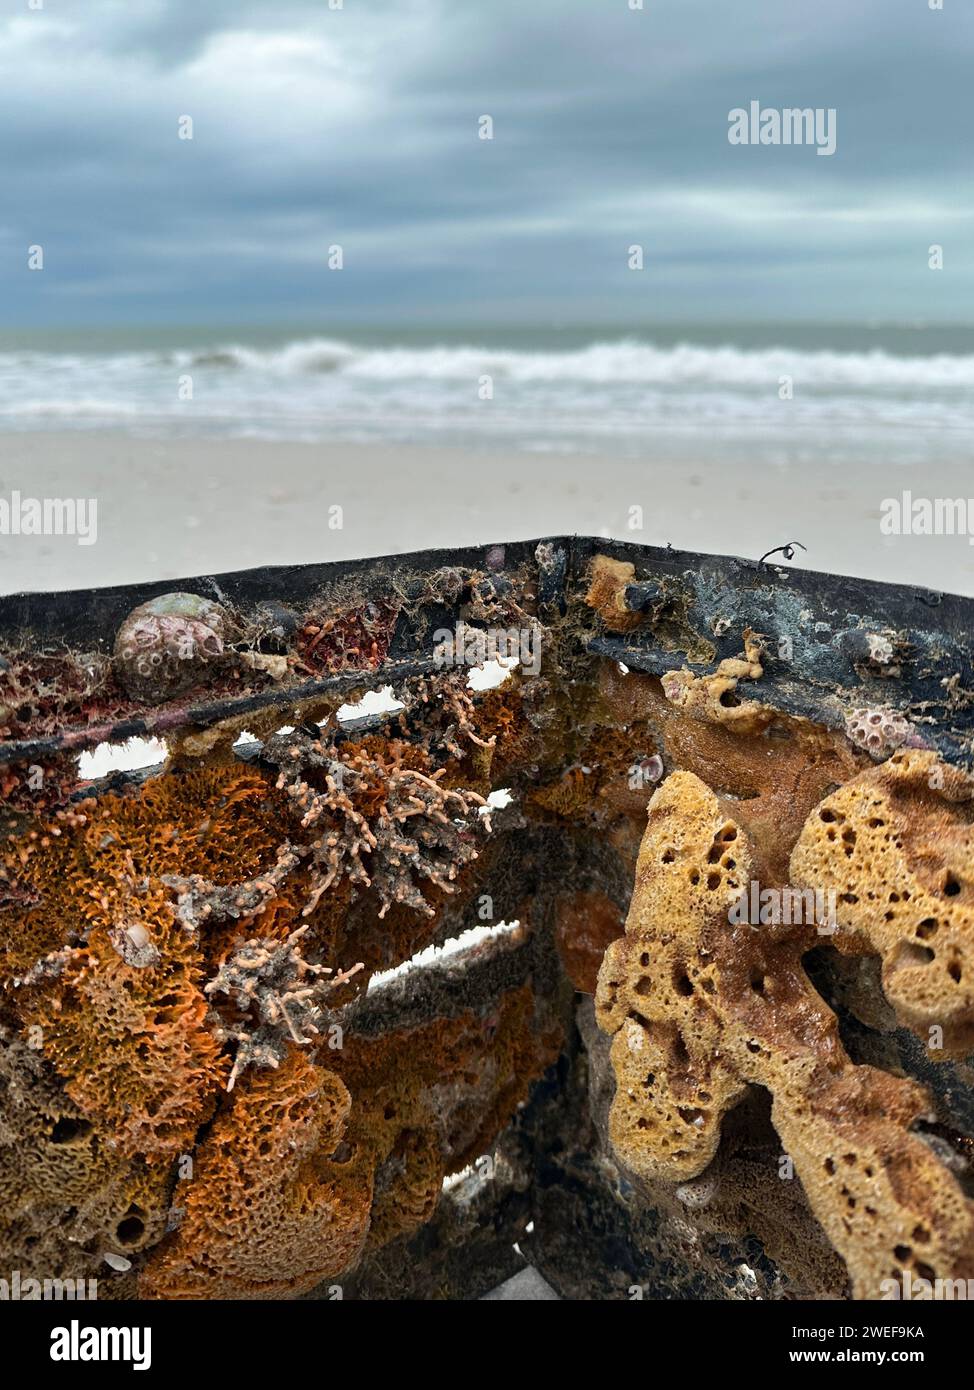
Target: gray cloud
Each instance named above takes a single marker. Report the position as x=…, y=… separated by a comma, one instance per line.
x=359, y=126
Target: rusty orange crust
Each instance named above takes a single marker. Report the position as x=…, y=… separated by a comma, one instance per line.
x=309, y=1165
x=118, y=1063
x=132, y=1044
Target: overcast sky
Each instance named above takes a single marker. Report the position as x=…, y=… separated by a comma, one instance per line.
x=359, y=126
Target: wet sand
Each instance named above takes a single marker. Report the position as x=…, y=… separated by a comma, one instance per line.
x=171, y=508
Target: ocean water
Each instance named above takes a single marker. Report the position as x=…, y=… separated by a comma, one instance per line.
x=555, y=390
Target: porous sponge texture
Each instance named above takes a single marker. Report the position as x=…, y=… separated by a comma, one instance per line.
x=606, y=593
x=895, y=846
x=701, y=1007
x=86, y=866
x=267, y=1213
x=118, y=1134
x=714, y=697
x=131, y=1041
x=776, y=768
x=139, y=1061
x=67, y=1196
x=114, y=1061
x=312, y=1164
x=460, y=1078
x=673, y=1086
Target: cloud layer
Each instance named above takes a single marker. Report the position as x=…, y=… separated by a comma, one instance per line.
x=358, y=126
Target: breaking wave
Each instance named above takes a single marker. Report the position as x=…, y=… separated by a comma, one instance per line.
x=600, y=363
x=323, y=388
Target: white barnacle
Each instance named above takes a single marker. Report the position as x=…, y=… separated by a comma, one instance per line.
x=697, y=1193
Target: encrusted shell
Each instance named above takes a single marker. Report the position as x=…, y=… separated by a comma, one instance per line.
x=167, y=645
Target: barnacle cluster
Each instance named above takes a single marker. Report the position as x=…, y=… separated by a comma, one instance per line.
x=881, y=731
x=165, y=645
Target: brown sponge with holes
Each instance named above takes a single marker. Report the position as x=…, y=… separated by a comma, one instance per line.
x=702, y=1006
x=896, y=847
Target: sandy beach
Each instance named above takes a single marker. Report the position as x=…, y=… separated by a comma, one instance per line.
x=171, y=508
